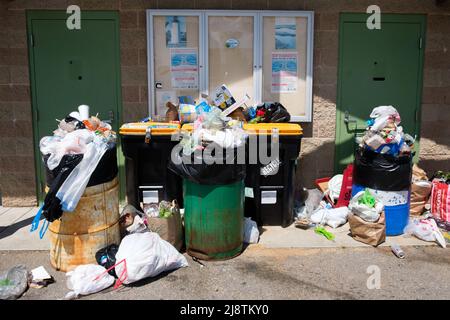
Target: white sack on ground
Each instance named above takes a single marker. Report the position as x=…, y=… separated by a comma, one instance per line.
x=146, y=255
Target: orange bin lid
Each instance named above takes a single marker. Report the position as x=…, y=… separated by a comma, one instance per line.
x=140, y=128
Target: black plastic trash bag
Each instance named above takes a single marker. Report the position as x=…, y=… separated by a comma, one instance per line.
x=196, y=169
x=382, y=172
x=274, y=112
x=14, y=282
x=52, y=209
x=106, y=257
x=105, y=171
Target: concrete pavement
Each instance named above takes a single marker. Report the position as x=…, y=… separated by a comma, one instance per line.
x=15, y=225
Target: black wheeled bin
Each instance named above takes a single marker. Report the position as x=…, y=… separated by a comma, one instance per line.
x=270, y=187
x=147, y=149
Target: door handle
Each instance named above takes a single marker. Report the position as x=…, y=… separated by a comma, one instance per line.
x=347, y=119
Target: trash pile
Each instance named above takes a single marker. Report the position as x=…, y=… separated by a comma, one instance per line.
x=377, y=193
x=207, y=154
x=384, y=134
x=143, y=251
x=223, y=102
x=367, y=220
x=70, y=156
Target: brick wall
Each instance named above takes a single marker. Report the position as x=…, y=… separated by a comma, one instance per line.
x=17, y=184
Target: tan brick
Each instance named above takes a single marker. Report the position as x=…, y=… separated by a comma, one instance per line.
x=6, y=112
x=326, y=39
x=100, y=4
x=18, y=39
x=14, y=57
x=17, y=164
x=19, y=75
x=8, y=145
x=4, y=75
x=176, y=4
x=133, y=39
x=129, y=57
x=7, y=129
x=134, y=75
x=142, y=19
x=134, y=111
x=24, y=146
x=128, y=19
x=432, y=78
x=138, y=4
x=14, y=93
x=329, y=21
x=434, y=95
x=130, y=93
x=438, y=23
x=23, y=128
x=329, y=57
x=433, y=112
x=4, y=40
x=438, y=60
x=27, y=4
x=143, y=57
x=143, y=93
x=325, y=75
x=213, y=4
x=19, y=201
x=16, y=20
x=324, y=93
x=22, y=110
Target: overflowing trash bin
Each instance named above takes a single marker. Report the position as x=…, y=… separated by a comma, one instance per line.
x=81, y=207
x=383, y=163
x=147, y=147
x=270, y=182
x=211, y=160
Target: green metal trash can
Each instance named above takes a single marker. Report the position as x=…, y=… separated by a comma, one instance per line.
x=214, y=219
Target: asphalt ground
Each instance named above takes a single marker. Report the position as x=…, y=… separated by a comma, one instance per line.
x=261, y=273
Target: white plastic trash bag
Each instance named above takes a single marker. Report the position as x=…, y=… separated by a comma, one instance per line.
x=333, y=217
x=73, y=187
x=146, y=255
x=251, y=232
x=87, y=279
x=427, y=230
x=382, y=114
x=364, y=212
x=334, y=186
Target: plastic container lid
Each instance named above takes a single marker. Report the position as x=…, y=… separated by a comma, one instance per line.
x=286, y=129
x=140, y=128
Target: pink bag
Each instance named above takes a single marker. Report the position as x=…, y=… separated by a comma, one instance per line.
x=440, y=201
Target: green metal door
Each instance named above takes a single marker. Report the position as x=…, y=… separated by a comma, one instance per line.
x=377, y=67
x=72, y=67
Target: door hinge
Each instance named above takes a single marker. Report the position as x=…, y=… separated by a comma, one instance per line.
x=37, y=115
x=420, y=42
x=31, y=40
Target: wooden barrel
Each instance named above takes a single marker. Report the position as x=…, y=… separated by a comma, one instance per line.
x=78, y=235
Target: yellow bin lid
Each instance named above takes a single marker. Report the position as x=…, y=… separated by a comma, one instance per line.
x=188, y=127
x=140, y=128
x=285, y=129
